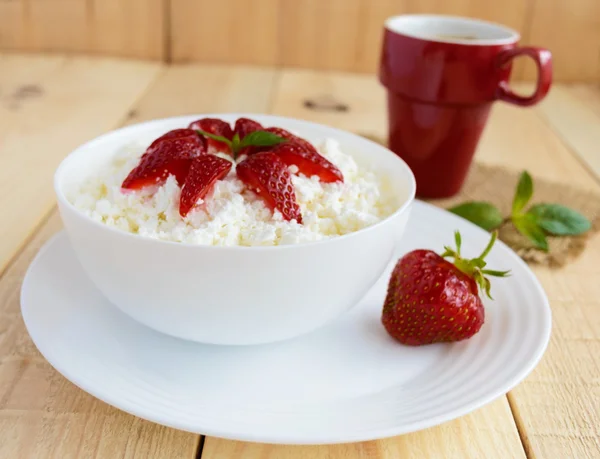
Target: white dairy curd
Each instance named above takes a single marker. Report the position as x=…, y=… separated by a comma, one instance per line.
x=233, y=215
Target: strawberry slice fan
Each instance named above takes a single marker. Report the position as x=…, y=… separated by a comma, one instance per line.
x=262, y=157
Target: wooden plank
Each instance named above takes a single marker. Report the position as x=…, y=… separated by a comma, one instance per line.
x=44, y=415
x=232, y=31
x=320, y=35
x=46, y=114
x=518, y=138
x=576, y=122
x=345, y=100
x=571, y=31
x=188, y=89
x=56, y=25
x=12, y=30
x=475, y=436
x=558, y=407
x=588, y=94
x=130, y=28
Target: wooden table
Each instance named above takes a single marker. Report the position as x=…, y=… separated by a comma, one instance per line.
x=51, y=104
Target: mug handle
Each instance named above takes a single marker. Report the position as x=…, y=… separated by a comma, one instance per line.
x=543, y=59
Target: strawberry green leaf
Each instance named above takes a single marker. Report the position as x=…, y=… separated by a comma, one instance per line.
x=523, y=194
x=483, y=214
x=457, y=241
x=560, y=220
x=492, y=272
x=261, y=139
x=220, y=138
x=529, y=227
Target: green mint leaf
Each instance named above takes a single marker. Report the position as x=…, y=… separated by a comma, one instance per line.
x=261, y=139
x=220, y=138
x=483, y=214
x=529, y=227
x=523, y=194
x=235, y=145
x=560, y=220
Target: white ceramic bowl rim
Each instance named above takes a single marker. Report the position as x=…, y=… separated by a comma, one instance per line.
x=187, y=245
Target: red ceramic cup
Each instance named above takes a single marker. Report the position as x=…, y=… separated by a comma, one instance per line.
x=442, y=74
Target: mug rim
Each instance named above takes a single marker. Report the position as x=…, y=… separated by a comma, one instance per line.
x=511, y=35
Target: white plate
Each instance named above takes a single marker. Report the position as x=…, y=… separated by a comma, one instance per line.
x=346, y=382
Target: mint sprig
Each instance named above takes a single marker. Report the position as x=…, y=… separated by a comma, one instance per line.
x=535, y=223
x=256, y=138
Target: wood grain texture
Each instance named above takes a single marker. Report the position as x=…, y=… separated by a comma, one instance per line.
x=188, y=89
x=588, y=94
x=572, y=32
x=558, y=407
x=519, y=138
x=489, y=433
x=320, y=34
x=127, y=28
x=132, y=28
x=233, y=31
x=48, y=106
x=576, y=122
x=315, y=95
x=42, y=415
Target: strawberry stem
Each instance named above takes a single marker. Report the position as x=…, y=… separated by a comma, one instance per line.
x=488, y=248
x=474, y=267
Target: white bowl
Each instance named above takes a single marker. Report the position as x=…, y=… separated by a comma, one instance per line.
x=232, y=295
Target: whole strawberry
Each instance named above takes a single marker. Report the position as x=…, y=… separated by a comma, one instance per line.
x=431, y=300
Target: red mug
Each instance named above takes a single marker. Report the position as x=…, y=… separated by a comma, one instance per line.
x=442, y=74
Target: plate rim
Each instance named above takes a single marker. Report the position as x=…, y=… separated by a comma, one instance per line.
x=324, y=439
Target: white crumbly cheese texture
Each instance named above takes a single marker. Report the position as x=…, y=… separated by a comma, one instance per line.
x=233, y=215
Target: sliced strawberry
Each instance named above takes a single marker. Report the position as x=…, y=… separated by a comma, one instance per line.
x=217, y=127
x=169, y=156
x=203, y=174
x=268, y=176
x=282, y=133
x=243, y=127
x=174, y=134
x=309, y=162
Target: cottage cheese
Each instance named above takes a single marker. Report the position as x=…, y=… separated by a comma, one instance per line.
x=234, y=215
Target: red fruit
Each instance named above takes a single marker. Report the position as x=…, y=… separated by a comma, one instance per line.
x=217, y=127
x=268, y=176
x=282, y=133
x=170, y=155
x=243, y=127
x=174, y=134
x=431, y=300
x=203, y=174
x=308, y=161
